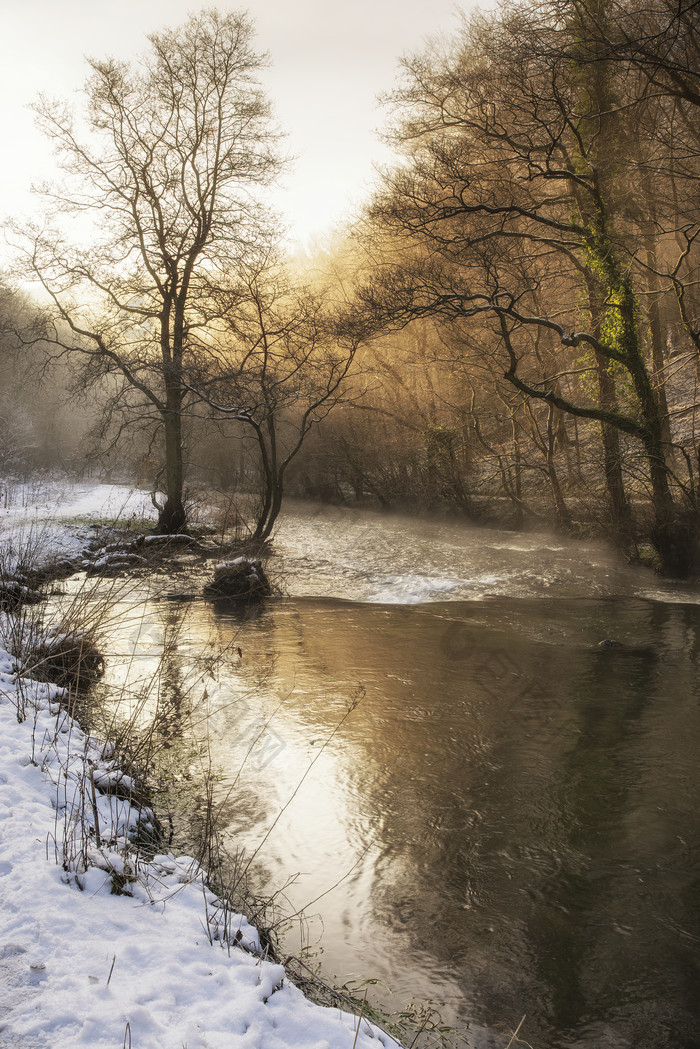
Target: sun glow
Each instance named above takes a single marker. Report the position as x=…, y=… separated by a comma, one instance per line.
x=327, y=67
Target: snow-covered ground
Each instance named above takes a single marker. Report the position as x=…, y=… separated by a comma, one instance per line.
x=47, y=499
x=150, y=967
x=37, y=513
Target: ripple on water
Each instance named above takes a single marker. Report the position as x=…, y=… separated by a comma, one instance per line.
x=363, y=556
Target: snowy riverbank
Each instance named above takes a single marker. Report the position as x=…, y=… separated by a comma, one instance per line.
x=81, y=966
x=162, y=964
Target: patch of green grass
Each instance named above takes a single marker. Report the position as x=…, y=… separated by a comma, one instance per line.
x=124, y=524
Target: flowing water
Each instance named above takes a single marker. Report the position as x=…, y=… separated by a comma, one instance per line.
x=506, y=822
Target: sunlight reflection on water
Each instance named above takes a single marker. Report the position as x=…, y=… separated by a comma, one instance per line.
x=507, y=823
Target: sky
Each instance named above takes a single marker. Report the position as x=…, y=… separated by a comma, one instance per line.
x=329, y=63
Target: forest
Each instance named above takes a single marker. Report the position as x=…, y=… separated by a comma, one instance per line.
x=509, y=331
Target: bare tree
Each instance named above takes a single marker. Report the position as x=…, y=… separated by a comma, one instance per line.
x=166, y=164
x=277, y=367
x=518, y=203
x=659, y=38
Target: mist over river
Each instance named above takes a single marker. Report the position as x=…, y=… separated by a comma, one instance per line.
x=507, y=822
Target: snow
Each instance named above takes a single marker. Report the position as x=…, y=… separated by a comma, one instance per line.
x=49, y=499
x=33, y=515
x=81, y=966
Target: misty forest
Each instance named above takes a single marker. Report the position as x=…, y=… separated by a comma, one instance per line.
x=456, y=447
x=510, y=333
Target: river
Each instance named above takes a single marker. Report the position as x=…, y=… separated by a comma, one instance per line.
x=476, y=802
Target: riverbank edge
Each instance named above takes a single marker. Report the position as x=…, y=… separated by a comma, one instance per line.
x=119, y=837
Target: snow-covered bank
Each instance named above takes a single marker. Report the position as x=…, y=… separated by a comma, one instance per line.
x=53, y=518
x=80, y=966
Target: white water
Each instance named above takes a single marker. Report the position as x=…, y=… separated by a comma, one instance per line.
x=380, y=558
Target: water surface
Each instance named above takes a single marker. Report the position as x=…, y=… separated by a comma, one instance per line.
x=507, y=821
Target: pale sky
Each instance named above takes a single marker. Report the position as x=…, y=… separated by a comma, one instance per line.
x=329, y=62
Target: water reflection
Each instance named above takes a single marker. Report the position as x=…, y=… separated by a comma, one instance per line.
x=523, y=791
x=508, y=820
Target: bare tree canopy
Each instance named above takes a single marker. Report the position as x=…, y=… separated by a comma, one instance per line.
x=167, y=161
x=279, y=365
x=536, y=198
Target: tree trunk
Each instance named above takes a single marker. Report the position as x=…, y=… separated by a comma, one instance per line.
x=657, y=339
x=561, y=509
x=173, y=517
x=517, y=475
x=612, y=457
x=620, y=510
x=269, y=471
x=668, y=536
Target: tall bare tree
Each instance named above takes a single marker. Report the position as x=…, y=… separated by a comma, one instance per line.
x=166, y=161
x=518, y=202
